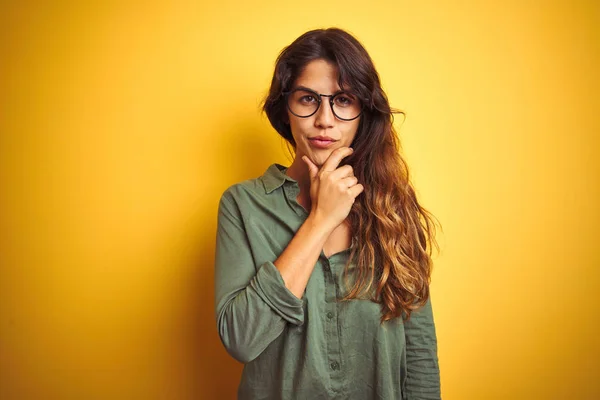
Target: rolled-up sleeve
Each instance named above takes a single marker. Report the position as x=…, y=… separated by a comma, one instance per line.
x=423, y=372
x=253, y=305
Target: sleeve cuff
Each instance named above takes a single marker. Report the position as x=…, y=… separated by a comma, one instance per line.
x=270, y=287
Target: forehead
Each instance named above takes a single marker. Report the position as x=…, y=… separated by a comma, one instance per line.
x=320, y=76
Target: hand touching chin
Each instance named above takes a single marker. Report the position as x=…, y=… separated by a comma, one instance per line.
x=319, y=157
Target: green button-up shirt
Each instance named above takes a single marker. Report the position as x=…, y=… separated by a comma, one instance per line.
x=314, y=347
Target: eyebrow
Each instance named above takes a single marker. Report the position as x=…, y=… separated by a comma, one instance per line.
x=333, y=94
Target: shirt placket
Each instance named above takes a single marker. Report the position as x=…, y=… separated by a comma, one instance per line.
x=335, y=366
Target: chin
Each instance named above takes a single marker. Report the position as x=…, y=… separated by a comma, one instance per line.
x=320, y=157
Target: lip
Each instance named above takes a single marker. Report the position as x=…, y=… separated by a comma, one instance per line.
x=321, y=142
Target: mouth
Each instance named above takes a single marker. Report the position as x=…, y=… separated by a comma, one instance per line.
x=321, y=142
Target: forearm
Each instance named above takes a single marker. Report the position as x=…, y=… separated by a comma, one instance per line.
x=297, y=261
x=249, y=321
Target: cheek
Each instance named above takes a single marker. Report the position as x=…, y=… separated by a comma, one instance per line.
x=299, y=127
x=350, y=132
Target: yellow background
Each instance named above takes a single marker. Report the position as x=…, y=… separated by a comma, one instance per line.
x=122, y=123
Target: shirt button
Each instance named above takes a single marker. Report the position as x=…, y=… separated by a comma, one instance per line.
x=329, y=315
x=334, y=365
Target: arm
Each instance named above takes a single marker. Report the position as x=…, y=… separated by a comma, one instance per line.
x=423, y=374
x=252, y=302
x=332, y=191
x=299, y=258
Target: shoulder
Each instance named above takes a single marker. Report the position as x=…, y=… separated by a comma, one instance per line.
x=243, y=192
x=237, y=200
x=257, y=188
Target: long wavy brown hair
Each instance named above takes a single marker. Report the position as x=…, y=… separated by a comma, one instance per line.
x=392, y=234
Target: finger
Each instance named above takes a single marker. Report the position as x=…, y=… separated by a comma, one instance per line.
x=349, y=181
x=335, y=158
x=356, y=190
x=342, y=172
x=312, y=168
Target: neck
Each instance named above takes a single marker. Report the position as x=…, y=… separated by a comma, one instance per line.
x=299, y=172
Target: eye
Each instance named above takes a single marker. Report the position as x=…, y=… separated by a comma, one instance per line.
x=308, y=99
x=343, y=100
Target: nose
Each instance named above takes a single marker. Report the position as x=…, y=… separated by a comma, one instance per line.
x=324, y=118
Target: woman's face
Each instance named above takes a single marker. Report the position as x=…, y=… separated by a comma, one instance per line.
x=321, y=77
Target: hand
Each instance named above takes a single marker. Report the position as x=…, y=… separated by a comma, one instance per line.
x=333, y=190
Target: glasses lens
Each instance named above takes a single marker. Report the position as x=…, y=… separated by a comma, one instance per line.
x=346, y=106
x=303, y=103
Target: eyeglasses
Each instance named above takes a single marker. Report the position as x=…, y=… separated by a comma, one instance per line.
x=303, y=103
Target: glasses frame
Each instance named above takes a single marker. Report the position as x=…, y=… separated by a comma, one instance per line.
x=319, y=97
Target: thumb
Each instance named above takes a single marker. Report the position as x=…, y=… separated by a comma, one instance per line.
x=312, y=168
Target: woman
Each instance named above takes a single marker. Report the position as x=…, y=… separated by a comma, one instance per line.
x=323, y=268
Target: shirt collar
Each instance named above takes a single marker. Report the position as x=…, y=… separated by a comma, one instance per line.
x=274, y=177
